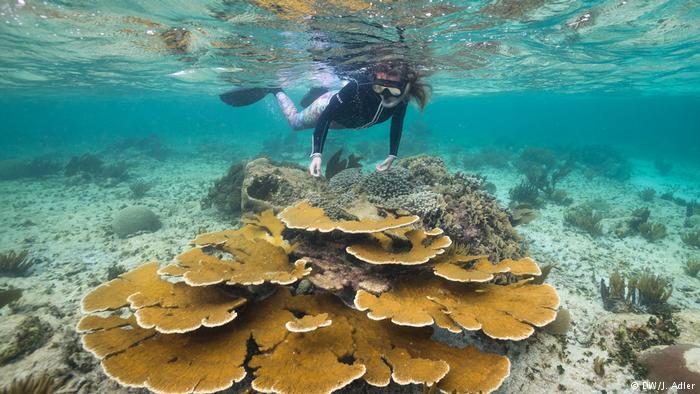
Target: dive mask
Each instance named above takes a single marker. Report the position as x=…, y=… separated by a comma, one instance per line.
x=388, y=88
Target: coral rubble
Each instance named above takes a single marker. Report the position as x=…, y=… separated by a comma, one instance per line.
x=231, y=317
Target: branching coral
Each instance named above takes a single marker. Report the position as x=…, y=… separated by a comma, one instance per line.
x=585, y=218
x=15, y=264
x=206, y=333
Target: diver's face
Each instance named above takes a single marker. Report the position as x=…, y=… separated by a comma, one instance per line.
x=388, y=77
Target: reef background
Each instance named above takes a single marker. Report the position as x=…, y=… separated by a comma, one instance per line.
x=181, y=145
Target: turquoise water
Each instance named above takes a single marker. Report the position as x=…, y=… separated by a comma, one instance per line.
x=594, y=84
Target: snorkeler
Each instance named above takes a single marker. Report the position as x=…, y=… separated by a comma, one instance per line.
x=381, y=94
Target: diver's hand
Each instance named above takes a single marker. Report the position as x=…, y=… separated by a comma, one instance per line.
x=386, y=164
x=315, y=166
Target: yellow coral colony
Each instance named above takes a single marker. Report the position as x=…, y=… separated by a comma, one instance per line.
x=304, y=216
x=502, y=312
x=193, y=335
x=379, y=249
x=167, y=307
x=455, y=268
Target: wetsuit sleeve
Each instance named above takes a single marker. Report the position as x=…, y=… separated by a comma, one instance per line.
x=396, y=128
x=328, y=115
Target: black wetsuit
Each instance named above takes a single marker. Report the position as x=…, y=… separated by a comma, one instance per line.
x=357, y=106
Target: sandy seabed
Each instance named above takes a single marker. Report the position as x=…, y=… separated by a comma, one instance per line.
x=66, y=226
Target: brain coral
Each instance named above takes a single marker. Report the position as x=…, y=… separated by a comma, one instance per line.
x=132, y=220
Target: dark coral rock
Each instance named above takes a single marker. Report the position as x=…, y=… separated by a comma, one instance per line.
x=35, y=168
x=87, y=163
x=32, y=333
x=225, y=194
x=10, y=295
x=335, y=272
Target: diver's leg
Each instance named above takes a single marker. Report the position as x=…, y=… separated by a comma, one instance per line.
x=307, y=118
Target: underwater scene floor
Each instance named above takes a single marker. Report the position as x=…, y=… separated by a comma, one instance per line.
x=598, y=236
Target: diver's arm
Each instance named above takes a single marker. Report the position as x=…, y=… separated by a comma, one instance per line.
x=394, y=136
x=322, y=125
x=345, y=95
x=396, y=129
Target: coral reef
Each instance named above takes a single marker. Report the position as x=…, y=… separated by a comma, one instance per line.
x=639, y=224
x=87, y=163
x=663, y=166
x=560, y=325
x=9, y=295
x=692, y=267
x=42, y=384
x=139, y=188
x=115, y=270
x=522, y=214
x=525, y=193
x=387, y=248
x=304, y=216
x=392, y=183
x=152, y=146
x=267, y=185
x=229, y=318
x=645, y=289
x=91, y=167
x=16, y=264
x=647, y=194
x=585, y=218
x=133, y=220
x=633, y=340
x=35, y=168
x=335, y=164
x=653, y=289
x=422, y=185
x=601, y=160
x=225, y=194
x=488, y=156
x=32, y=333
x=692, y=238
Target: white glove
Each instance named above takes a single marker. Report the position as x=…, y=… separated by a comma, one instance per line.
x=386, y=164
x=315, y=166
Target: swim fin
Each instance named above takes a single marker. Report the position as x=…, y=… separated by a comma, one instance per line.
x=240, y=97
x=312, y=95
